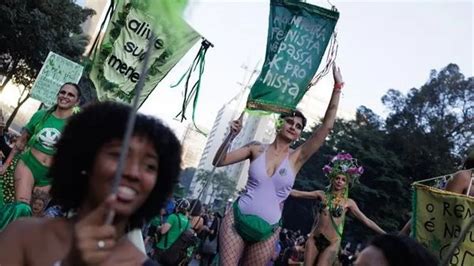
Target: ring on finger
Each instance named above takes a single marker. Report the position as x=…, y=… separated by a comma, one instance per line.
x=100, y=244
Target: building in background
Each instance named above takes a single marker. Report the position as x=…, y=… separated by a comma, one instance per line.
x=91, y=26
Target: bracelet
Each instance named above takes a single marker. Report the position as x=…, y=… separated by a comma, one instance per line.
x=338, y=86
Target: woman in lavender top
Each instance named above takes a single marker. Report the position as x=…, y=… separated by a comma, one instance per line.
x=272, y=172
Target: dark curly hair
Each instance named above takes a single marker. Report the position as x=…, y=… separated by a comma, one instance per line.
x=81, y=140
x=403, y=250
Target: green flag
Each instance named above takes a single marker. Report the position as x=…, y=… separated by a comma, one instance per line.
x=298, y=34
x=117, y=64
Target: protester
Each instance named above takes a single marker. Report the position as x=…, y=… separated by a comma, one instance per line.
x=272, y=172
x=5, y=148
x=83, y=172
x=390, y=250
x=175, y=225
x=153, y=231
x=324, y=241
x=461, y=182
x=40, y=135
x=210, y=245
x=39, y=201
x=197, y=221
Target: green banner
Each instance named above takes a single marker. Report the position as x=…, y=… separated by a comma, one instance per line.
x=298, y=34
x=56, y=71
x=119, y=61
x=438, y=218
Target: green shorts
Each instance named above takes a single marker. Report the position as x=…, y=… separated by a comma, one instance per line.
x=39, y=171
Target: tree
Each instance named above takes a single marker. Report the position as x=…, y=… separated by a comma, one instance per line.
x=30, y=29
x=432, y=127
x=380, y=185
x=220, y=184
x=423, y=136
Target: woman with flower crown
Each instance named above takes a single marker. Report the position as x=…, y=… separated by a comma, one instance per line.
x=323, y=244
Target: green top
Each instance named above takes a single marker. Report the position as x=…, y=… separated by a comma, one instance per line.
x=175, y=230
x=45, y=130
x=156, y=221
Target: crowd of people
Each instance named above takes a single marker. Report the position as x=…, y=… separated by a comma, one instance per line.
x=63, y=166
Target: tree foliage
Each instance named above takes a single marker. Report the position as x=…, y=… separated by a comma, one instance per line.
x=31, y=28
x=426, y=134
x=220, y=185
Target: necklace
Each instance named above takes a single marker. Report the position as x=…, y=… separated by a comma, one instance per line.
x=334, y=202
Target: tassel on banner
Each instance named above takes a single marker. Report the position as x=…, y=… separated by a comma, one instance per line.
x=193, y=93
x=330, y=59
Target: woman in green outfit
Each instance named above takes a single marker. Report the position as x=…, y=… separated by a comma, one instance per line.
x=40, y=135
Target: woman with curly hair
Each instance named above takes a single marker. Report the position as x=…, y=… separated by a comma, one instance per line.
x=37, y=144
x=324, y=241
x=83, y=171
x=390, y=250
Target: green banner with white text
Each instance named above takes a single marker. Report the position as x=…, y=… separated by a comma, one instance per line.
x=118, y=62
x=298, y=34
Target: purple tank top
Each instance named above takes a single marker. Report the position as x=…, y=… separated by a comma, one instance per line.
x=264, y=195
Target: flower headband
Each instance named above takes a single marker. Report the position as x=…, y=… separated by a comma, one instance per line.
x=344, y=164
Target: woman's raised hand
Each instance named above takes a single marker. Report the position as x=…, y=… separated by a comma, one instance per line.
x=235, y=127
x=336, y=72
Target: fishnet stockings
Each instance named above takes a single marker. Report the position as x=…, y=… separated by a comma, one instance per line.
x=232, y=247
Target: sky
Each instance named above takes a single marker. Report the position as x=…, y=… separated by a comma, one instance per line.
x=382, y=45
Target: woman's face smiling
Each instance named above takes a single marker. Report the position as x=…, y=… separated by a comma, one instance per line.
x=68, y=97
x=138, y=179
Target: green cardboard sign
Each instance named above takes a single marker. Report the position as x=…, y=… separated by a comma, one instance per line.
x=55, y=71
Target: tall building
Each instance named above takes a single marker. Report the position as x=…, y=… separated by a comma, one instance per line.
x=92, y=25
x=259, y=128
x=218, y=133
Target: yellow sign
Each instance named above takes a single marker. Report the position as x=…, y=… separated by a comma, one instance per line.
x=439, y=217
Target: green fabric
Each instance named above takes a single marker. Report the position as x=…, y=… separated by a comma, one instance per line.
x=174, y=231
x=118, y=62
x=156, y=221
x=39, y=171
x=298, y=34
x=199, y=60
x=45, y=130
x=252, y=228
x=12, y=211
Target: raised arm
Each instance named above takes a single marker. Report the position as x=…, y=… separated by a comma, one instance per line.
x=315, y=194
x=223, y=157
x=307, y=149
x=361, y=217
x=459, y=182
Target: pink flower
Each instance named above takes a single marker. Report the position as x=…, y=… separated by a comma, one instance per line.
x=360, y=170
x=353, y=171
x=327, y=169
x=347, y=156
